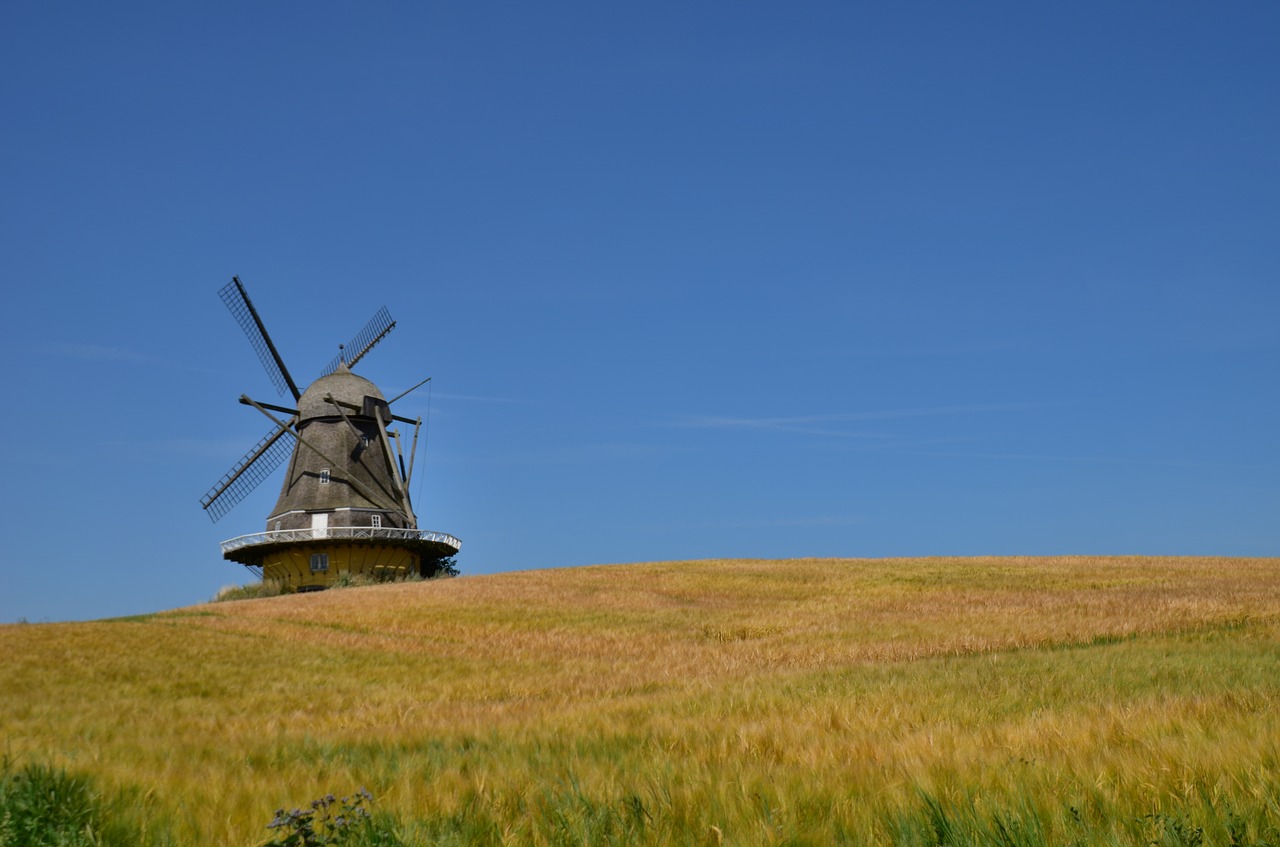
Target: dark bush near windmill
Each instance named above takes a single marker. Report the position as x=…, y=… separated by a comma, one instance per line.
x=445, y=566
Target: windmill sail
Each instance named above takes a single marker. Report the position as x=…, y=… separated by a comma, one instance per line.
x=237, y=300
x=374, y=331
x=246, y=474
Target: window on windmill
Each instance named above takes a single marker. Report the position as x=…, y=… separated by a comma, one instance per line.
x=319, y=562
x=324, y=476
x=377, y=522
x=364, y=441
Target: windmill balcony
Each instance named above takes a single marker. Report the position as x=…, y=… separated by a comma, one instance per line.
x=250, y=549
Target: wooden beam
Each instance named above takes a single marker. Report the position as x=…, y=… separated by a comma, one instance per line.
x=341, y=411
x=395, y=472
x=413, y=451
x=353, y=482
x=281, y=409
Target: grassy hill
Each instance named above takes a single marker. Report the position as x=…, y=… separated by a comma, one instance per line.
x=814, y=701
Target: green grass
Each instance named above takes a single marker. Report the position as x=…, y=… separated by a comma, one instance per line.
x=250, y=591
x=970, y=701
x=43, y=806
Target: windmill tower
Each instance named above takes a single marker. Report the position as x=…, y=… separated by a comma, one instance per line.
x=344, y=505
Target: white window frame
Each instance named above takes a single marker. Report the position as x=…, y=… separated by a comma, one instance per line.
x=324, y=476
x=376, y=522
x=319, y=562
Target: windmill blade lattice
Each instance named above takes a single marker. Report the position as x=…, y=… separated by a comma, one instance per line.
x=246, y=474
x=241, y=307
x=374, y=331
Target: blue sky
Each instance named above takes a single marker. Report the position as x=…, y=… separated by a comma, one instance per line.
x=690, y=280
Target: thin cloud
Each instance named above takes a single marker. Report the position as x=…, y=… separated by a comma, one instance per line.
x=911, y=447
x=99, y=353
x=817, y=521
x=901, y=445
x=226, y=449
x=207, y=448
x=1097, y=460
x=813, y=424
x=795, y=425
x=477, y=398
x=106, y=354
x=422, y=404
x=577, y=454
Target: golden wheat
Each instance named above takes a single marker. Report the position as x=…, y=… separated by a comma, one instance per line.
x=740, y=695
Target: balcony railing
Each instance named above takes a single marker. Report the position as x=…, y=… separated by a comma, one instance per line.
x=339, y=533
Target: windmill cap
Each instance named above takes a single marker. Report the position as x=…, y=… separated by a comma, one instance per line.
x=345, y=386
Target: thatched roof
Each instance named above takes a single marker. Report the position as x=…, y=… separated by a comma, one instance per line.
x=345, y=386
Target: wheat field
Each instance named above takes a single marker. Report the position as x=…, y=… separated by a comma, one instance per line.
x=1083, y=700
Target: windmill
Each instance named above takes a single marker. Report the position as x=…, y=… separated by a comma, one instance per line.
x=344, y=505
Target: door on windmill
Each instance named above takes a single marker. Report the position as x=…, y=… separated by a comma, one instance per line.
x=320, y=525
